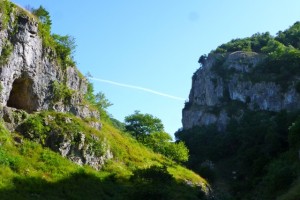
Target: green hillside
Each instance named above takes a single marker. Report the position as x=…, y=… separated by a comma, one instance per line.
x=30, y=171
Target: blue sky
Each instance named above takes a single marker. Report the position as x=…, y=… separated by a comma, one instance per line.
x=156, y=44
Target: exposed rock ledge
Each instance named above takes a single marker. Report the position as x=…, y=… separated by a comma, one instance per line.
x=222, y=86
x=28, y=75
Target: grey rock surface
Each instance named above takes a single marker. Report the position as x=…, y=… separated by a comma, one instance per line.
x=27, y=78
x=216, y=85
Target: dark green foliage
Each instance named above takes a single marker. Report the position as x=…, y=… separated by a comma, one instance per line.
x=290, y=36
x=156, y=183
x=254, y=43
x=250, y=148
x=294, y=135
x=153, y=183
x=235, y=45
x=280, y=175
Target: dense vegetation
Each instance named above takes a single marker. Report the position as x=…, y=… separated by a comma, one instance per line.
x=257, y=156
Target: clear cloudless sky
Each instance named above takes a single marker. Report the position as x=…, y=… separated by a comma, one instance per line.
x=156, y=44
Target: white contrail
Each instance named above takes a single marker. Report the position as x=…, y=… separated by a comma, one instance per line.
x=137, y=88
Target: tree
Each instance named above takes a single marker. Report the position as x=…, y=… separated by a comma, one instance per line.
x=43, y=16
x=65, y=48
x=149, y=131
x=158, y=141
x=140, y=125
x=161, y=142
x=99, y=101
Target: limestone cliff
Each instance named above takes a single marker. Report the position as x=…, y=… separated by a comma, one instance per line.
x=30, y=73
x=32, y=80
x=227, y=84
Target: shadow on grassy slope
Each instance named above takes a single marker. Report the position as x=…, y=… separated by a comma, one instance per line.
x=152, y=183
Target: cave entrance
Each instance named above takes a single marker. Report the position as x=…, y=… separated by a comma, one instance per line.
x=21, y=95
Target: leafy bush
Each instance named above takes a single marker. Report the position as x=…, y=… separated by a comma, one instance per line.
x=65, y=48
x=6, y=51
x=5, y=9
x=36, y=129
x=177, y=151
x=61, y=92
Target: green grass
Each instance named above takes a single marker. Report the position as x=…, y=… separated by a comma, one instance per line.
x=29, y=170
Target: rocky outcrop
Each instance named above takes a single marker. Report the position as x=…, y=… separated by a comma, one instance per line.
x=227, y=84
x=32, y=79
x=29, y=70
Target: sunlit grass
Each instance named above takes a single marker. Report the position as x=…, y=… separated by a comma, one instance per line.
x=34, y=169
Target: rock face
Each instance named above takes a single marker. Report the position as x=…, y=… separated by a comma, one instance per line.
x=77, y=148
x=227, y=84
x=32, y=80
x=28, y=73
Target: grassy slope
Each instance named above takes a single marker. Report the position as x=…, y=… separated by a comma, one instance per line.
x=29, y=171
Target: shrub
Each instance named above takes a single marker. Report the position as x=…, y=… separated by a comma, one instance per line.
x=61, y=92
x=5, y=9
x=6, y=51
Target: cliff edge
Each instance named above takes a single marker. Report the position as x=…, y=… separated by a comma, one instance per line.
x=228, y=83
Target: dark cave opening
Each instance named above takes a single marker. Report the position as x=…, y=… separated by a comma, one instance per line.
x=21, y=95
